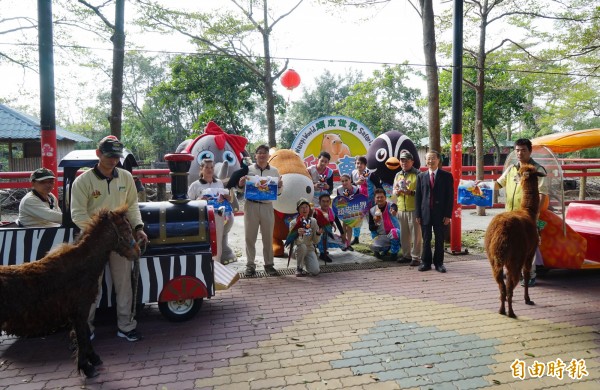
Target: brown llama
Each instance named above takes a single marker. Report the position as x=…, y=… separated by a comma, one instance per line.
x=511, y=240
x=38, y=297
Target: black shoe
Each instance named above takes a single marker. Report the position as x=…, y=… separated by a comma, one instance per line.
x=344, y=248
x=424, y=267
x=250, y=271
x=325, y=258
x=270, y=270
x=349, y=247
x=403, y=260
x=132, y=335
x=355, y=241
x=440, y=268
x=394, y=257
x=300, y=273
x=95, y=360
x=378, y=254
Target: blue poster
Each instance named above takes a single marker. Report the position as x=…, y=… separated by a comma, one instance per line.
x=351, y=210
x=481, y=194
x=261, y=188
x=214, y=197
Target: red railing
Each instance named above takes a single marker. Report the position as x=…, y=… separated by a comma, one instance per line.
x=147, y=176
x=10, y=180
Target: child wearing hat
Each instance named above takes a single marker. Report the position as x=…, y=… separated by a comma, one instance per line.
x=308, y=234
x=366, y=181
x=348, y=190
x=39, y=208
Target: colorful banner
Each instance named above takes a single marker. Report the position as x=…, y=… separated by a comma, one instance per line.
x=261, y=188
x=481, y=194
x=342, y=137
x=351, y=210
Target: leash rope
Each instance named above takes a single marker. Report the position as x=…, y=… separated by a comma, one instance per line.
x=136, y=277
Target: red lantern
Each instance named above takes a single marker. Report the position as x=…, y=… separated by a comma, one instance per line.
x=290, y=79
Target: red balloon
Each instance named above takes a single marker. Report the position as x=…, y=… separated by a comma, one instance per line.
x=290, y=79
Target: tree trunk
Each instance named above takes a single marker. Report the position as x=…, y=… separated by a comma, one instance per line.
x=479, y=97
x=431, y=71
x=270, y=99
x=116, y=97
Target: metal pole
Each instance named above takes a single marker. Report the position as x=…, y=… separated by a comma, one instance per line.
x=47, y=108
x=457, y=108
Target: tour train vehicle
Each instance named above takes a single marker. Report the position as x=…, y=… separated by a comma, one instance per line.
x=178, y=268
x=570, y=235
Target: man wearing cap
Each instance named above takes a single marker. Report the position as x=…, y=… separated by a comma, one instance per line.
x=39, y=208
x=405, y=188
x=259, y=214
x=106, y=186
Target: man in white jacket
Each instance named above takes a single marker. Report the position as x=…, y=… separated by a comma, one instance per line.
x=39, y=208
x=106, y=186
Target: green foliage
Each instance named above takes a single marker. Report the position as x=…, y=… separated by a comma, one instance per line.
x=329, y=92
x=385, y=102
x=220, y=88
x=545, y=63
x=507, y=102
x=382, y=102
x=233, y=34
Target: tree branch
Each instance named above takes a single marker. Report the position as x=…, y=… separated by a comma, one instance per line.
x=286, y=14
x=20, y=63
x=97, y=12
x=498, y=46
x=232, y=54
x=418, y=10
x=470, y=84
x=248, y=15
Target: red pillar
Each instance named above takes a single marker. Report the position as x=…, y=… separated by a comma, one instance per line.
x=456, y=169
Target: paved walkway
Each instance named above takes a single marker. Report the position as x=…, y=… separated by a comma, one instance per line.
x=386, y=328
x=370, y=329
x=470, y=221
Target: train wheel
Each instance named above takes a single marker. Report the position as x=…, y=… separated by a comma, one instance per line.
x=180, y=310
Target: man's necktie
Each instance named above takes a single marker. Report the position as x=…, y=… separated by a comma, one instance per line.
x=431, y=183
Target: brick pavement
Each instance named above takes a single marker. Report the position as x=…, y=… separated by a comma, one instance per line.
x=385, y=328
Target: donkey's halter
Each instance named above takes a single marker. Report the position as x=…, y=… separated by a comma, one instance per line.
x=120, y=239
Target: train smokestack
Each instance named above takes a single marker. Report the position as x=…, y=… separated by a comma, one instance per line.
x=179, y=165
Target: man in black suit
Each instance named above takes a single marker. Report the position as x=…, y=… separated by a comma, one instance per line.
x=434, y=200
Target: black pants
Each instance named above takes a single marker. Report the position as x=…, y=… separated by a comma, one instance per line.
x=438, y=255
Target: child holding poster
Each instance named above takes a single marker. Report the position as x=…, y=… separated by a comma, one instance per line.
x=306, y=233
x=347, y=190
x=384, y=226
x=366, y=181
x=326, y=219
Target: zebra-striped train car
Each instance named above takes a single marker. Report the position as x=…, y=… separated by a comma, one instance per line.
x=189, y=276
x=177, y=268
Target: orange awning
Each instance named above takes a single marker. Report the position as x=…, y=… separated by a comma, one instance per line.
x=571, y=141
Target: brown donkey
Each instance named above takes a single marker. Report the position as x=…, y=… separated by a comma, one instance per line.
x=39, y=297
